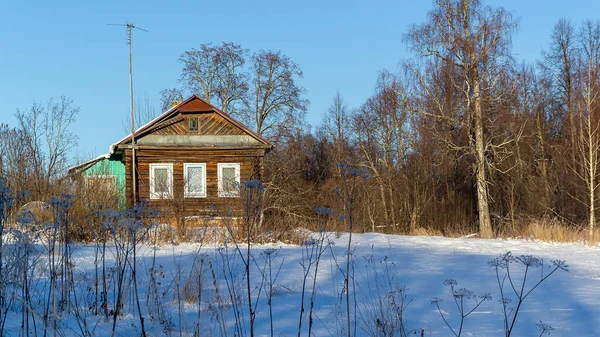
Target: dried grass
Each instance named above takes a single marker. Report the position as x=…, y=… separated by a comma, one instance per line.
x=423, y=231
x=547, y=230
x=553, y=231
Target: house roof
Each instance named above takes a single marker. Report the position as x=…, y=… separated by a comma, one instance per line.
x=85, y=165
x=192, y=104
x=185, y=106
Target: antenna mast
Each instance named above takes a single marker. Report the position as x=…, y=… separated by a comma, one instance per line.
x=129, y=27
x=133, y=164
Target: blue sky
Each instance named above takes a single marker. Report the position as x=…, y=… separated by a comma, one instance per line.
x=54, y=48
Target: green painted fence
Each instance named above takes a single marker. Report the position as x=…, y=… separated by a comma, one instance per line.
x=110, y=167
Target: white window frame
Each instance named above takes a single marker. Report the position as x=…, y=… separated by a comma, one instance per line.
x=188, y=194
x=155, y=195
x=236, y=166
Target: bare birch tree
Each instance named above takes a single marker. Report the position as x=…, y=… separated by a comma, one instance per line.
x=216, y=74
x=381, y=127
x=336, y=127
x=560, y=60
x=45, y=129
x=476, y=39
x=168, y=97
x=232, y=80
x=275, y=102
x=589, y=126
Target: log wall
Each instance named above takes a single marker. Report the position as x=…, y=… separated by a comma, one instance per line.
x=250, y=165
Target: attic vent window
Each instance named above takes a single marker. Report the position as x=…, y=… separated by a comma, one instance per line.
x=193, y=124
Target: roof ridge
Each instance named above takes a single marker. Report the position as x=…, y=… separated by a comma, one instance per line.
x=175, y=108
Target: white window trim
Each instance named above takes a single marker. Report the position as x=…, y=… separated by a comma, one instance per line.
x=153, y=194
x=236, y=166
x=186, y=193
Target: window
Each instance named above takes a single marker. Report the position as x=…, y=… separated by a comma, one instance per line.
x=194, y=176
x=193, y=124
x=161, y=181
x=229, y=180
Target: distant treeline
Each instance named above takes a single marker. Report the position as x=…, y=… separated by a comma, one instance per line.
x=463, y=138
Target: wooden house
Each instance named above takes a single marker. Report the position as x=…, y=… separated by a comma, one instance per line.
x=190, y=160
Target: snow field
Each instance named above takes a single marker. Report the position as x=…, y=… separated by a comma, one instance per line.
x=385, y=267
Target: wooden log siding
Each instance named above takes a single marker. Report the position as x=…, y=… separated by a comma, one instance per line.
x=173, y=126
x=213, y=124
x=249, y=168
x=208, y=124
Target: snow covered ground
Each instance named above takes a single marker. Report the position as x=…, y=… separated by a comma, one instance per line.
x=568, y=301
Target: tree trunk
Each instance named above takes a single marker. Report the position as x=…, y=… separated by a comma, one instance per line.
x=414, y=219
x=485, y=225
x=383, y=200
x=392, y=206
x=592, y=184
x=543, y=161
x=592, y=162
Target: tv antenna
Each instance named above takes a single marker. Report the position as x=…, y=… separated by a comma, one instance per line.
x=130, y=27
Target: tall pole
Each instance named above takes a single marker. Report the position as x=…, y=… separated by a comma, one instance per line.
x=133, y=166
x=130, y=26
